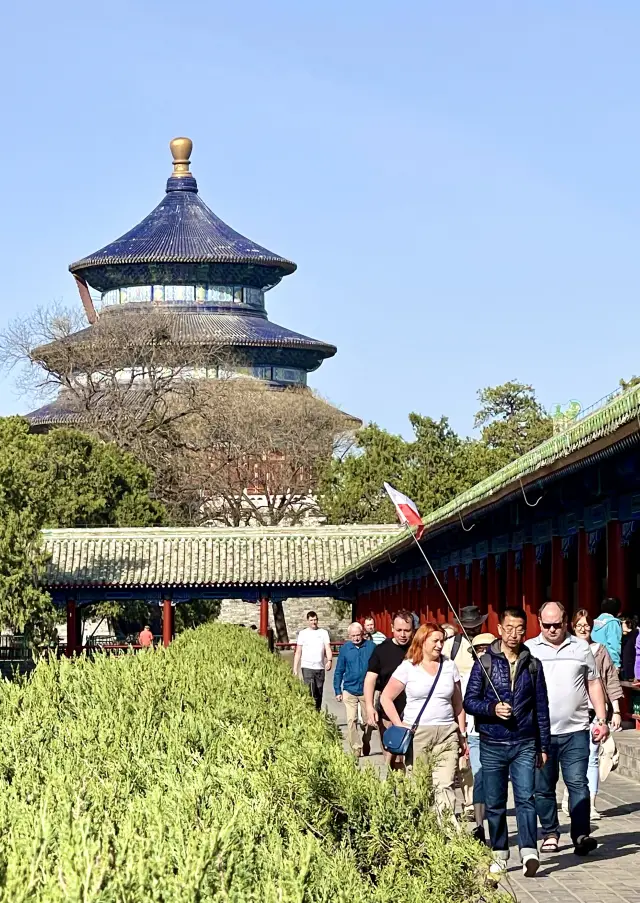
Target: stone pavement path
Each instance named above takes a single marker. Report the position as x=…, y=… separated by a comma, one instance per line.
x=610, y=875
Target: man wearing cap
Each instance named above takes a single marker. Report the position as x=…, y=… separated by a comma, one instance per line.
x=457, y=648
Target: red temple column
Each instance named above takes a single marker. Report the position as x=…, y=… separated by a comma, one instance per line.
x=73, y=620
x=452, y=591
x=438, y=607
x=587, y=576
x=477, y=595
x=463, y=587
x=531, y=588
x=514, y=597
x=493, y=595
x=616, y=564
x=264, y=615
x=559, y=573
x=167, y=622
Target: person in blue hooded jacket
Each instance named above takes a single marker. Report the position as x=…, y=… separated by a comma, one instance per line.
x=348, y=684
x=512, y=719
x=607, y=630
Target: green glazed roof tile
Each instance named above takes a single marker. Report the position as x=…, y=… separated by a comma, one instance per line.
x=291, y=556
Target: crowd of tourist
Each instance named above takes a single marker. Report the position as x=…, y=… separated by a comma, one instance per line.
x=486, y=711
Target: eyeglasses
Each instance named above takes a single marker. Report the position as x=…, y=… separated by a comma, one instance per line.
x=552, y=626
x=516, y=631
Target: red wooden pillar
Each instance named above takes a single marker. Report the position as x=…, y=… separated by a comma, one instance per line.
x=616, y=564
x=493, y=595
x=167, y=622
x=264, y=615
x=435, y=599
x=513, y=596
x=559, y=573
x=531, y=588
x=478, y=596
x=452, y=592
x=463, y=588
x=587, y=577
x=73, y=621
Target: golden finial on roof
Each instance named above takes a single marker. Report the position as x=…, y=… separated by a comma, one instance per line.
x=181, y=152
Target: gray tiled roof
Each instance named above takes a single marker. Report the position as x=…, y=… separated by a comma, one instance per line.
x=208, y=557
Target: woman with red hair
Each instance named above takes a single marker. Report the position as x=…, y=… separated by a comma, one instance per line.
x=441, y=729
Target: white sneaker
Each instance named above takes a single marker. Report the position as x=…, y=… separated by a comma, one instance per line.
x=595, y=815
x=498, y=867
x=565, y=802
x=530, y=865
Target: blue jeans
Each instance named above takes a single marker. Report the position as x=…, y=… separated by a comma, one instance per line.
x=473, y=741
x=571, y=753
x=501, y=761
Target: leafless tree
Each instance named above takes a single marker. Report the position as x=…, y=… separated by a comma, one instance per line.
x=253, y=454
x=223, y=450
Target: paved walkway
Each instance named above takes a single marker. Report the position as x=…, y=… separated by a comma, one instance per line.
x=610, y=875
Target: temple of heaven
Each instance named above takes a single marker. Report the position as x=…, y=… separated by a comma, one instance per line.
x=208, y=281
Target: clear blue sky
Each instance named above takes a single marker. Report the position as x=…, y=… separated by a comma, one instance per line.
x=459, y=183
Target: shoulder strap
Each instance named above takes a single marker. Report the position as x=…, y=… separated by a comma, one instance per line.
x=429, y=695
x=455, y=647
x=486, y=663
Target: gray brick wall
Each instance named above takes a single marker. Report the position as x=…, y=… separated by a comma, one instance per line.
x=235, y=611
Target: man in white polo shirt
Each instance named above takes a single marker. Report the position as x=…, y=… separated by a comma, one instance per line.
x=572, y=680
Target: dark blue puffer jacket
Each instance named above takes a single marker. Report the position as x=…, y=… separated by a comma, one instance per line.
x=530, y=718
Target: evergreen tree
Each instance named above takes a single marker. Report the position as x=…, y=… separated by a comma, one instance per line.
x=437, y=464
x=61, y=479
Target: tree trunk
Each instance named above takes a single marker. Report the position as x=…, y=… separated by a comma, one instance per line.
x=280, y=622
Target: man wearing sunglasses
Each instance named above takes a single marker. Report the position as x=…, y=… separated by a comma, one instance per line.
x=572, y=680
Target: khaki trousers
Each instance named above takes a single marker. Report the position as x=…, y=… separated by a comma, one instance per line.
x=439, y=744
x=354, y=736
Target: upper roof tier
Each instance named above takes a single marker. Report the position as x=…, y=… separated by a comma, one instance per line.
x=182, y=242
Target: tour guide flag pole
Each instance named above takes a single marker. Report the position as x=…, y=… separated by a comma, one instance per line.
x=408, y=514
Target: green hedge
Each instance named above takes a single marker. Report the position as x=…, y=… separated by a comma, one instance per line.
x=202, y=773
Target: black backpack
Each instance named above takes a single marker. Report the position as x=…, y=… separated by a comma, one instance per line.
x=455, y=648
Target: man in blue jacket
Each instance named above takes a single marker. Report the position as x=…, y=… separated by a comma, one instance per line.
x=607, y=630
x=348, y=684
x=514, y=735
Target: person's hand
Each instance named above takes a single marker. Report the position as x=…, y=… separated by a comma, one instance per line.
x=541, y=759
x=616, y=721
x=464, y=747
x=503, y=710
x=327, y=665
x=372, y=718
x=339, y=697
x=600, y=732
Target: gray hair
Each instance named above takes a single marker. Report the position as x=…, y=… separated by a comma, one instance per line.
x=354, y=624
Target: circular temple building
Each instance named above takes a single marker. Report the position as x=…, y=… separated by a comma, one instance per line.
x=206, y=280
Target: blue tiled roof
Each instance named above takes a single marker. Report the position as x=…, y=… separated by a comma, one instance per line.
x=206, y=327
x=182, y=229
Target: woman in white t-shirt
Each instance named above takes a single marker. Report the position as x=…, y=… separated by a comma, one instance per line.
x=441, y=731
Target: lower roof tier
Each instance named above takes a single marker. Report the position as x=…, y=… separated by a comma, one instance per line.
x=248, y=338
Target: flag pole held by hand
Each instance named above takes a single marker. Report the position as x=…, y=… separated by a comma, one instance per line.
x=408, y=514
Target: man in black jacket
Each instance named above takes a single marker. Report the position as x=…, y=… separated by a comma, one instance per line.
x=511, y=712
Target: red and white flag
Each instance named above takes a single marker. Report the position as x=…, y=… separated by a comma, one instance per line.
x=406, y=509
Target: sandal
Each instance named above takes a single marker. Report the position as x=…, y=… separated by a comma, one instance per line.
x=550, y=845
